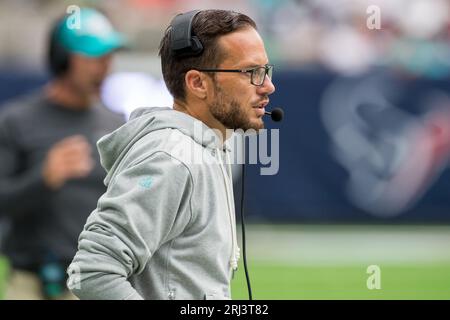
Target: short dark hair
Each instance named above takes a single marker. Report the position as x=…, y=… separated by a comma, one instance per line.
x=208, y=26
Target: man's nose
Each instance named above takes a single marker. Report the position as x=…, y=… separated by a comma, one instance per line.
x=267, y=87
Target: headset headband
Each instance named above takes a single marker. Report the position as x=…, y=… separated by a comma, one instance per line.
x=183, y=43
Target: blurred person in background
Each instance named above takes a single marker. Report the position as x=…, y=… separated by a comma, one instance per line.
x=165, y=228
x=50, y=177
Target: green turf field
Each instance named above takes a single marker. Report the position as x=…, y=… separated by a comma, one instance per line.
x=3, y=271
x=278, y=281
x=330, y=262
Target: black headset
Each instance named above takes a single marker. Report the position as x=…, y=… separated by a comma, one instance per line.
x=58, y=56
x=183, y=42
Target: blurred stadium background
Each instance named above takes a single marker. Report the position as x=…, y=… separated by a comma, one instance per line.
x=363, y=151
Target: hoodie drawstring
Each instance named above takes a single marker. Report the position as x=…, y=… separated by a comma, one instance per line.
x=235, y=254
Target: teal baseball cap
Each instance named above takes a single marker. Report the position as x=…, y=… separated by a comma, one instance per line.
x=90, y=33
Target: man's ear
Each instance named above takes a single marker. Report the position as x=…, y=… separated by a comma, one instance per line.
x=196, y=83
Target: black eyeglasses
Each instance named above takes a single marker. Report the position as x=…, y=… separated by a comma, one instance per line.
x=258, y=74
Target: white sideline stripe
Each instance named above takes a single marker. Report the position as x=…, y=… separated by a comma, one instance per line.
x=348, y=245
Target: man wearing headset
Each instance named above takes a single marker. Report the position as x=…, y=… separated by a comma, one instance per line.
x=50, y=176
x=165, y=228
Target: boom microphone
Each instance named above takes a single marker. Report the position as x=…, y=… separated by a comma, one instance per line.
x=276, y=114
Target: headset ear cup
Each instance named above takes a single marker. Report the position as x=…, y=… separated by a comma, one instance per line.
x=197, y=46
x=60, y=60
x=58, y=56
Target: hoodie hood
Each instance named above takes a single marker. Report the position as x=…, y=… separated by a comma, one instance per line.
x=114, y=146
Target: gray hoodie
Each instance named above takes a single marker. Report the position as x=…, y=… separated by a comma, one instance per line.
x=165, y=228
